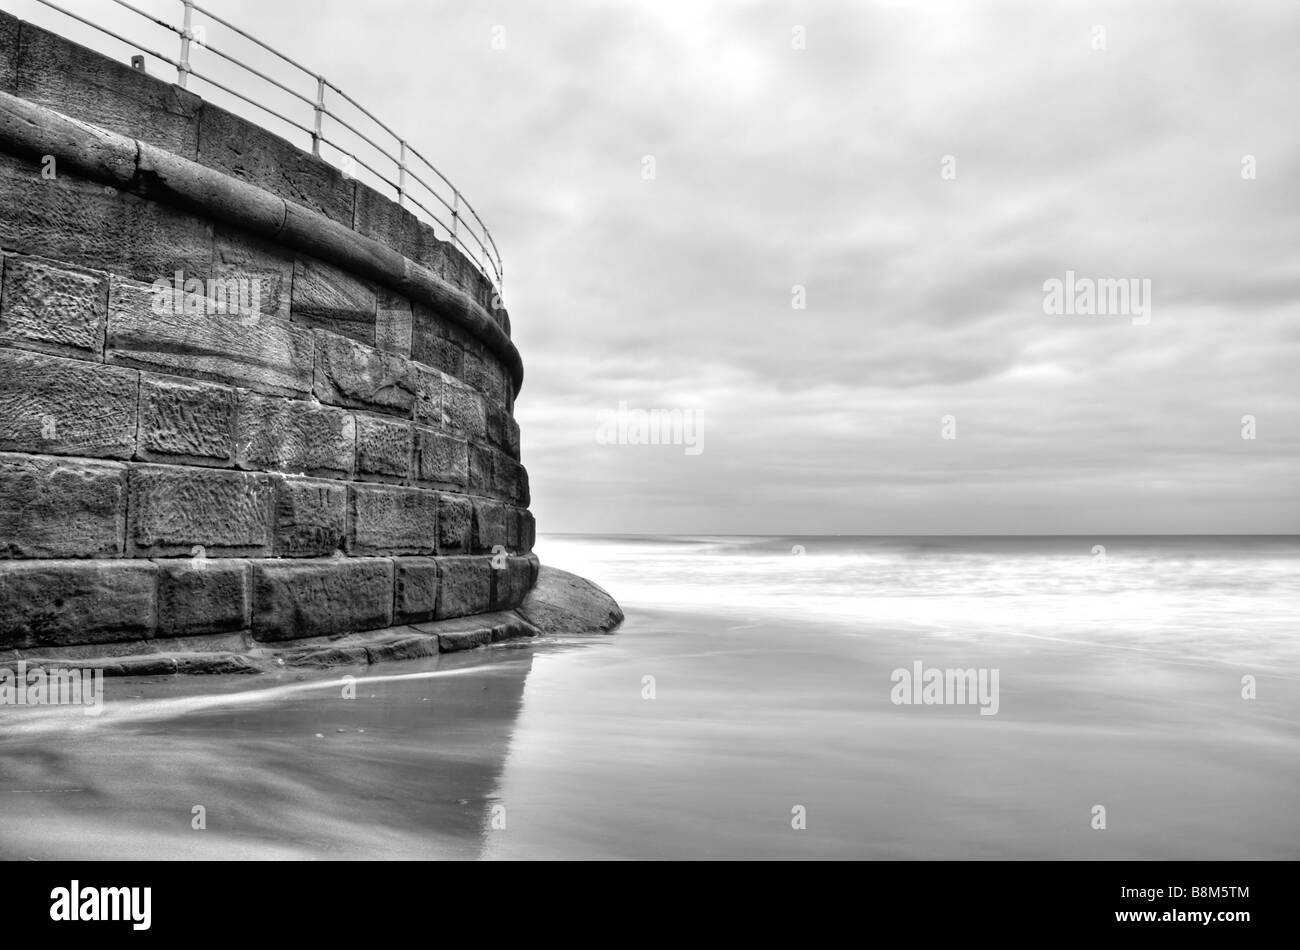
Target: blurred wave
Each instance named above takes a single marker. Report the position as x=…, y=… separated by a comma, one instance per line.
x=1210, y=599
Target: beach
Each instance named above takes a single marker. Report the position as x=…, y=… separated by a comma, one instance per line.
x=743, y=710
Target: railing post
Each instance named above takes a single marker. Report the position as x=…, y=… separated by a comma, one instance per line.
x=320, y=112
x=401, y=176
x=455, y=212
x=183, y=70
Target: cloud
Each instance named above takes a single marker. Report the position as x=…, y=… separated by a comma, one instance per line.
x=820, y=167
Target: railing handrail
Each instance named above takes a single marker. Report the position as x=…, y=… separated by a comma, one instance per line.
x=487, y=258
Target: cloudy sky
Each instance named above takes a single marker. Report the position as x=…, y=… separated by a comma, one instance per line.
x=823, y=167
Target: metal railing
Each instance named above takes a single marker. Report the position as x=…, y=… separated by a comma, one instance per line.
x=455, y=216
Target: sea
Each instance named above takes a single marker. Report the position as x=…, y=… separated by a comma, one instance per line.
x=767, y=697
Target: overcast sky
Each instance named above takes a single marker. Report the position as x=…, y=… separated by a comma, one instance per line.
x=822, y=167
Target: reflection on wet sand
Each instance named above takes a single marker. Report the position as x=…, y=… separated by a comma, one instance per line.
x=280, y=769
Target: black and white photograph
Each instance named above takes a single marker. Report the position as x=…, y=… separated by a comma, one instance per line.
x=570, y=431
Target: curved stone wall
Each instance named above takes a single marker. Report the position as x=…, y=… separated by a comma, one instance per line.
x=243, y=398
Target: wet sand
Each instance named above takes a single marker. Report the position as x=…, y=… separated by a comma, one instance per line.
x=550, y=750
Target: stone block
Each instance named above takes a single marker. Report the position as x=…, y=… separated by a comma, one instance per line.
x=311, y=517
x=327, y=298
x=321, y=597
x=199, y=596
x=393, y=324
x=455, y=524
x=351, y=374
x=389, y=519
x=480, y=469
x=415, y=588
x=267, y=265
x=53, y=308
x=186, y=422
x=250, y=153
x=261, y=353
x=61, y=508
x=489, y=526
x=383, y=449
x=85, y=223
x=55, y=406
x=440, y=459
x=465, y=586
x=294, y=435
x=69, y=78
x=174, y=509
x=59, y=603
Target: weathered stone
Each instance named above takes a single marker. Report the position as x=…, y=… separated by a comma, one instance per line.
x=441, y=460
x=360, y=377
x=201, y=596
x=382, y=219
x=455, y=524
x=60, y=508
x=465, y=586
x=259, y=352
x=489, y=526
x=393, y=324
x=485, y=375
x=383, y=449
x=527, y=530
x=480, y=469
x=415, y=588
x=267, y=264
x=54, y=308
x=456, y=641
x=311, y=517
x=326, y=657
x=186, y=422
x=512, y=437
x=149, y=666
x=53, y=603
x=407, y=648
x=432, y=344
x=510, y=584
x=294, y=435
x=82, y=222
x=463, y=410
x=71, y=79
x=512, y=528
x=564, y=603
x=8, y=52
x=214, y=664
x=174, y=509
x=295, y=599
x=496, y=425
x=428, y=385
x=507, y=475
x=475, y=371
x=250, y=153
x=512, y=627
x=56, y=406
x=327, y=298
x=523, y=495
x=388, y=519
x=497, y=382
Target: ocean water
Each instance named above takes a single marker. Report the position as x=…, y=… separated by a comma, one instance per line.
x=745, y=709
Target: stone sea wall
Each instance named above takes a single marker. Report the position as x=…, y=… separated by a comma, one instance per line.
x=244, y=398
